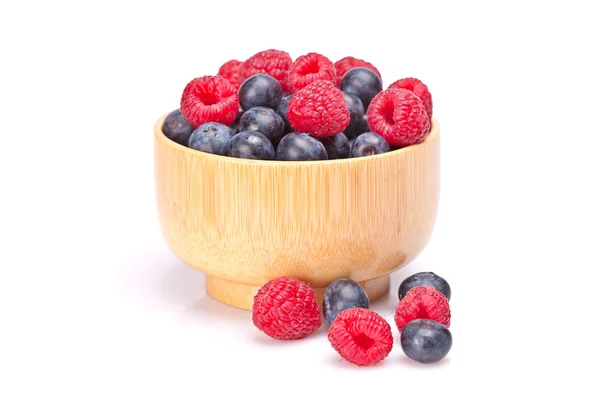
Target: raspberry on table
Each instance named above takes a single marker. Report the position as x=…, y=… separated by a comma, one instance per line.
x=308, y=69
x=230, y=71
x=361, y=336
x=286, y=309
x=209, y=99
x=422, y=302
x=418, y=88
x=347, y=63
x=319, y=109
x=275, y=63
x=399, y=116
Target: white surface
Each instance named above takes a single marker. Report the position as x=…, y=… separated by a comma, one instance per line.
x=94, y=305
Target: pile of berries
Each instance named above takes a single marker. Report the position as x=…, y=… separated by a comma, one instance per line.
x=272, y=108
x=286, y=309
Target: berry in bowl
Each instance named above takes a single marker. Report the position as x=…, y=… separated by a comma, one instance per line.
x=277, y=167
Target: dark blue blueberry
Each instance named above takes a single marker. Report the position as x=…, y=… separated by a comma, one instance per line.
x=362, y=82
x=260, y=90
x=424, y=279
x=251, y=145
x=425, y=341
x=368, y=144
x=177, y=128
x=211, y=137
x=341, y=295
x=337, y=146
x=282, y=110
x=297, y=146
x=235, y=123
x=357, y=113
x=265, y=121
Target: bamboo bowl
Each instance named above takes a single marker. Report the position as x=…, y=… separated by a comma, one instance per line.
x=244, y=222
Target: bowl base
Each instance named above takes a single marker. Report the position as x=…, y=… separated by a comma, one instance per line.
x=241, y=296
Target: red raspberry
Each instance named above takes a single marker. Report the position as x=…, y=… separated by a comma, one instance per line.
x=347, y=63
x=210, y=99
x=308, y=69
x=286, y=309
x=422, y=302
x=319, y=109
x=399, y=116
x=418, y=88
x=275, y=63
x=230, y=71
x=361, y=336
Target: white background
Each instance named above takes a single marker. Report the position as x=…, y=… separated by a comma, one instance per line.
x=93, y=304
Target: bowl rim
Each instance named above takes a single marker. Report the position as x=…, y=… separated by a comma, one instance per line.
x=160, y=136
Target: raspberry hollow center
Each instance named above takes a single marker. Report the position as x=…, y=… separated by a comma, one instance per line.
x=311, y=68
x=208, y=99
x=389, y=114
x=363, y=341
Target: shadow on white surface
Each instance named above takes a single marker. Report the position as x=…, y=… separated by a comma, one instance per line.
x=403, y=360
x=207, y=307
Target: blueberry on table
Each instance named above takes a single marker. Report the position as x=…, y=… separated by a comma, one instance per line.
x=282, y=110
x=211, y=137
x=424, y=279
x=362, y=82
x=251, y=145
x=299, y=146
x=425, y=341
x=177, y=128
x=265, y=121
x=341, y=295
x=357, y=114
x=337, y=146
x=368, y=144
x=260, y=90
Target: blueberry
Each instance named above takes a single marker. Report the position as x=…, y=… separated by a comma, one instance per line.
x=236, y=122
x=357, y=113
x=265, y=121
x=260, y=90
x=177, y=128
x=425, y=341
x=297, y=146
x=341, y=295
x=282, y=110
x=211, y=137
x=368, y=144
x=337, y=146
x=251, y=145
x=424, y=279
x=362, y=82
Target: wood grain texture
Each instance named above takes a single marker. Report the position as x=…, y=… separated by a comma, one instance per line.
x=248, y=221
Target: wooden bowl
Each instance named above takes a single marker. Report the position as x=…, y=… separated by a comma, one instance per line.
x=244, y=222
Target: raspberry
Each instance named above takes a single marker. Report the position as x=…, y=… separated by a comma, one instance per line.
x=422, y=302
x=230, y=71
x=286, y=309
x=347, y=63
x=209, y=99
x=275, y=63
x=319, y=109
x=418, y=88
x=399, y=116
x=361, y=336
x=308, y=69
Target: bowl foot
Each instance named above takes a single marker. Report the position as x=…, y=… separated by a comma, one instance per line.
x=241, y=296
